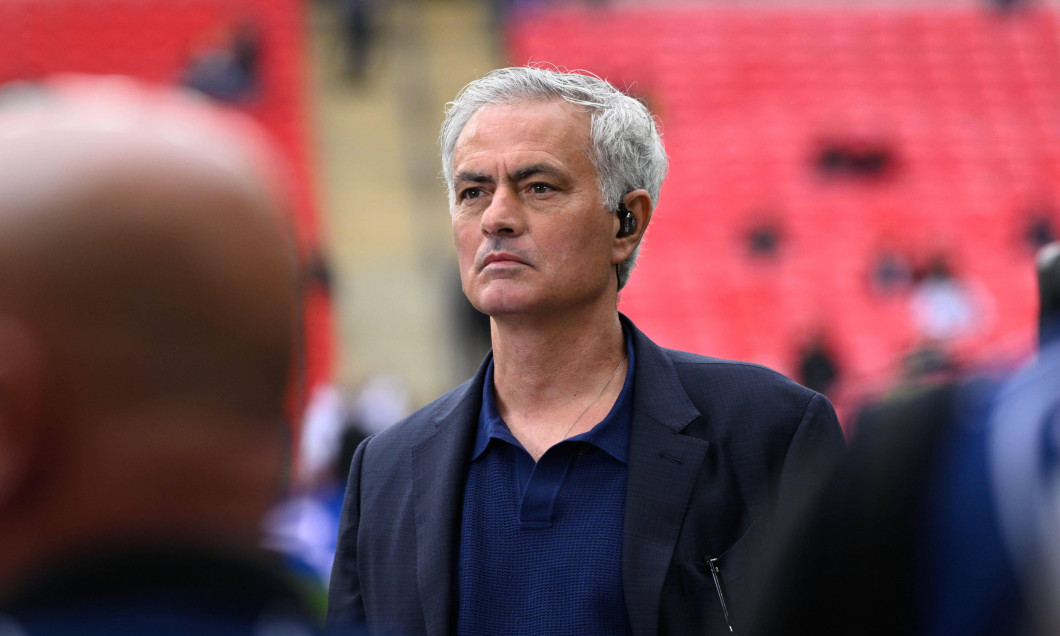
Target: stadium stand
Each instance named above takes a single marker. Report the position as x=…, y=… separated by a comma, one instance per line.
x=926, y=129
x=155, y=41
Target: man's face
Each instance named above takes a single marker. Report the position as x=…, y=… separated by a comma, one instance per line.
x=531, y=232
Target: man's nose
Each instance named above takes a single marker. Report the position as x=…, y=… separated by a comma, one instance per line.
x=505, y=214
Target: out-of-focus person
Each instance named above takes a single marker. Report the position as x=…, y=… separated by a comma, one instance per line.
x=304, y=526
x=942, y=306
x=585, y=480
x=944, y=519
x=226, y=65
x=148, y=309
x=818, y=367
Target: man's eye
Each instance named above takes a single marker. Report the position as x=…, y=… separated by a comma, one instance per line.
x=471, y=193
x=541, y=188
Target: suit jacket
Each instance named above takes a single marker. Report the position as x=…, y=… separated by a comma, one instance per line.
x=714, y=446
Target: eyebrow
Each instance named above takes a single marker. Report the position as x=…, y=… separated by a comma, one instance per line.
x=473, y=177
x=517, y=176
x=536, y=169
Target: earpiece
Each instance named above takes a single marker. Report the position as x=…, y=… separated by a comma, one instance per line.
x=628, y=222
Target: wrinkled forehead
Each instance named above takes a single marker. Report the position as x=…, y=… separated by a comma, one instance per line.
x=553, y=124
x=546, y=111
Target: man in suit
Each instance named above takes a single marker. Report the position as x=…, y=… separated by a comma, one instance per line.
x=148, y=304
x=585, y=480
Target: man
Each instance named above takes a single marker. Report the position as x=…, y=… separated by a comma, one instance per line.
x=585, y=480
x=148, y=298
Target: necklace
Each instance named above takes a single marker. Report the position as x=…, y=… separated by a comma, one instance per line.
x=595, y=397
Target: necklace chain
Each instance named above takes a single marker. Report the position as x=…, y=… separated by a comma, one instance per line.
x=595, y=397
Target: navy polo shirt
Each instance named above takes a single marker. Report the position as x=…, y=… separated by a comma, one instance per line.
x=541, y=544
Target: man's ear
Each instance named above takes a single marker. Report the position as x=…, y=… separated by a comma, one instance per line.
x=20, y=384
x=629, y=234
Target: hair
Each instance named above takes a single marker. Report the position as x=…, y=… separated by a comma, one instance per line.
x=626, y=148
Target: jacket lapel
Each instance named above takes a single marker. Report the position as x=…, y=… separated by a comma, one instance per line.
x=663, y=467
x=439, y=467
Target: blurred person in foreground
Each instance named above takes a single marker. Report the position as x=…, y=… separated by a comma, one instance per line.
x=585, y=480
x=944, y=519
x=148, y=304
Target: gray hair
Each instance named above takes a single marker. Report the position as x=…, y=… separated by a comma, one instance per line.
x=627, y=150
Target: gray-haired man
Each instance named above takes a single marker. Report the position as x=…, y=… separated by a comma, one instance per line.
x=585, y=480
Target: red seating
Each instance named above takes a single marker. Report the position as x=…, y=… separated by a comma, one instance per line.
x=967, y=99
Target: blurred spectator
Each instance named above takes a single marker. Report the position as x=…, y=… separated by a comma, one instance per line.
x=305, y=525
x=928, y=364
x=818, y=368
x=1049, y=293
x=383, y=400
x=764, y=239
x=358, y=18
x=318, y=271
x=148, y=300
x=227, y=68
x=942, y=306
x=1006, y=6
x=855, y=159
x=328, y=415
x=943, y=519
x=1040, y=230
x=891, y=273
x=333, y=414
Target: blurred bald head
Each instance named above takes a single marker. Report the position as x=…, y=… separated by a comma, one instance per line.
x=147, y=292
x=139, y=236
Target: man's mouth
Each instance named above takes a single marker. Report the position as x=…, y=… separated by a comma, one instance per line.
x=501, y=258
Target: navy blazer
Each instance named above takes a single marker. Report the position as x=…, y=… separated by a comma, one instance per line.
x=714, y=447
